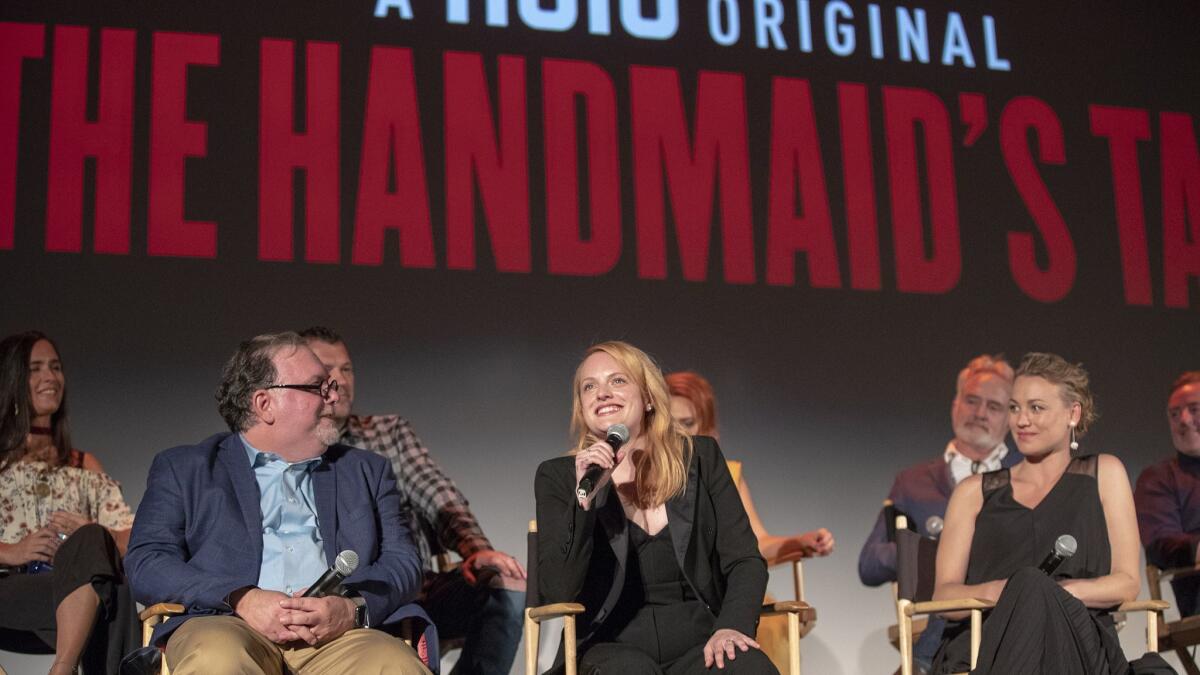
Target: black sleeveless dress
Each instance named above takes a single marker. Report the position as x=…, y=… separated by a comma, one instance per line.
x=1037, y=627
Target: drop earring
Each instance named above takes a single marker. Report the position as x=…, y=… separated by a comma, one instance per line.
x=1074, y=443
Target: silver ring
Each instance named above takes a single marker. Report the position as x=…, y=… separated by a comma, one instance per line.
x=62, y=536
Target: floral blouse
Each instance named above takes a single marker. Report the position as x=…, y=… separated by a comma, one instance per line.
x=31, y=491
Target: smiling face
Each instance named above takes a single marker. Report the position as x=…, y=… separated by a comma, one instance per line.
x=1183, y=414
x=608, y=394
x=1039, y=417
x=980, y=414
x=46, y=382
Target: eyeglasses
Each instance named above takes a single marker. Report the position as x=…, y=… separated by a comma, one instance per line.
x=322, y=390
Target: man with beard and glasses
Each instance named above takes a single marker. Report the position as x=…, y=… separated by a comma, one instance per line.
x=979, y=417
x=1167, y=495
x=481, y=600
x=237, y=527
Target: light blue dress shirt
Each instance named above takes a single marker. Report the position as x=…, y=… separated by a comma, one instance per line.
x=293, y=555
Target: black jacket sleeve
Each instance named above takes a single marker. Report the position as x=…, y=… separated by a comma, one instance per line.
x=739, y=562
x=565, y=532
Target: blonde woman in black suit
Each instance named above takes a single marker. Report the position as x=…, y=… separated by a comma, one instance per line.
x=661, y=553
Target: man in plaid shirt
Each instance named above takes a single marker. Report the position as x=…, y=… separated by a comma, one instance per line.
x=481, y=600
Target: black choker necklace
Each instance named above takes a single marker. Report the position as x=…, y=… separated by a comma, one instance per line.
x=41, y=431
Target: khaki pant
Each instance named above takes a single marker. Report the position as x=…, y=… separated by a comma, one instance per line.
x=216, y=645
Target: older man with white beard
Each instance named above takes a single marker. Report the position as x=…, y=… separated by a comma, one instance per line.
x=979, y=417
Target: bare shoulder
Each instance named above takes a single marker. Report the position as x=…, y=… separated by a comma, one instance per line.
x=91, y=463
x=968, y=495
x=1110, y=471
x=972, y=484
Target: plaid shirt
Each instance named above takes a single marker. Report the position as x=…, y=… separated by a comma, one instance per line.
x=434, y=505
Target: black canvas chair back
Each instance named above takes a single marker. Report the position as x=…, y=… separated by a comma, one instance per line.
x=916, y=565
x=532, y=599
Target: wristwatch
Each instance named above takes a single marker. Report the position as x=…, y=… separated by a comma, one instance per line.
x=361, y=620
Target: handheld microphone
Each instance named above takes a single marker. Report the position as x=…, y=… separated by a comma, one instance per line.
x=616, y=436
x=1064, y=547
x=343, y=566
x=934, y=525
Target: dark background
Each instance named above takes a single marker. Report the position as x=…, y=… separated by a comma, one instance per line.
x=824, y=393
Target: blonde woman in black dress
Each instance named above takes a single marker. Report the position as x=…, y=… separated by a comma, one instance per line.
x=1001, y=525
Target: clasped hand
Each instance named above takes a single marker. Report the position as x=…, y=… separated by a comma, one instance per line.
x=37, y=545
x=284, y=619
x=43, y=543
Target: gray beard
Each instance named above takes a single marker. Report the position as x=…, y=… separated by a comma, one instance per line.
x=327, y=432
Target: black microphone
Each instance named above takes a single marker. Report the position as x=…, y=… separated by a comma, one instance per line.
x=934, y=526
x=616, y=436
x=1064, y=547
x=343, y=566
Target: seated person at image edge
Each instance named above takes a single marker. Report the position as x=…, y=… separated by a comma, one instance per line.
x=483, y=599
x=1168, y=495
x=233, y=527
x=979, y=418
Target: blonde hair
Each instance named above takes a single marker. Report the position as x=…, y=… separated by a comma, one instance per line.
x=984, y=364
x=662, y=472
x=1072, y=381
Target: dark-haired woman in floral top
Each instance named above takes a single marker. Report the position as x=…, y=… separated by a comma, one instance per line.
x=63, y=523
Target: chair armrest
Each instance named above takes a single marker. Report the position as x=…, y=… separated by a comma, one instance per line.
x=1143, y=606
x=1178, y=573
x=554, y=611
x=806, y=611
x=942, y=606
x=162, y=610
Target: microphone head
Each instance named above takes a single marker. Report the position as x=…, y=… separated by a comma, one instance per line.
x=346, y=562
x=1066, y=546
x=934, y=525
x=618, y=433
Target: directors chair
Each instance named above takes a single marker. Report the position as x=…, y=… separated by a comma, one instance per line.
x=799, y=614
x=916, y=568
x=1177, y=635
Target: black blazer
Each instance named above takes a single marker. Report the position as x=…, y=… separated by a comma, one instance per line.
x=582, y=554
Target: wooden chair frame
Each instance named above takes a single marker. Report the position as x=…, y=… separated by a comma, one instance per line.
x=154, y=615
x=1182, y=633
x=908, y=608
x=536, y=614
x=801, y=617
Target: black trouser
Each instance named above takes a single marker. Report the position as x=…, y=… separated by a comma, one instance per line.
x=611, y=658
x=28, y=601
x=489, y=619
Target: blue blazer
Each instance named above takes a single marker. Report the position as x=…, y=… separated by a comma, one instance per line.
x=198, y=532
